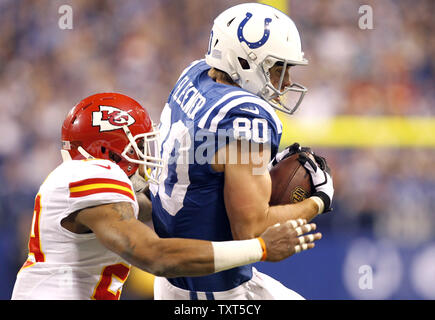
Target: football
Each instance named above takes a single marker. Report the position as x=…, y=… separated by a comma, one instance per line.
x=291, y=182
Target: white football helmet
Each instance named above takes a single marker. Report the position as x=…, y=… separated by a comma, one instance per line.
x=247, y=40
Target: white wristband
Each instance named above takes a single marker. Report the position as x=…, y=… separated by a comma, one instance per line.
x=231, y=254
x=319, y=203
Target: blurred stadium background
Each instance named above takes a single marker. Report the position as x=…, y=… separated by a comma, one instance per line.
x=370, y=110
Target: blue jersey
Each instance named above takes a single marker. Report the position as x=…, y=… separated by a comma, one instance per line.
x=200, y=117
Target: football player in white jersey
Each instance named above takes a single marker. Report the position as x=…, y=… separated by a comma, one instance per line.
x=85, y=233
x=229, y=98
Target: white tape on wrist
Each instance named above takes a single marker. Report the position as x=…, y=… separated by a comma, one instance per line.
x=231, y=254
x=139, y=183
x=319, y=203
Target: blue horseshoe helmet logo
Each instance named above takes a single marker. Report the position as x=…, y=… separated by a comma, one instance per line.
x=262, y=41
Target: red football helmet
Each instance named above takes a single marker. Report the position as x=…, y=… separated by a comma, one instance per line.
x=112, y=126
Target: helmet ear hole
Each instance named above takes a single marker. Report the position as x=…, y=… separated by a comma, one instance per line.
x=103, y=150
x=114, y=157
x=244, y=64
x=231, y=21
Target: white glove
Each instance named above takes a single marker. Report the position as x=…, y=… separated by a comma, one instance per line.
x=321, y=178
x=287, y=152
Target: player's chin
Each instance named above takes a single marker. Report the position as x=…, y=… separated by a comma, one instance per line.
x=277, y=100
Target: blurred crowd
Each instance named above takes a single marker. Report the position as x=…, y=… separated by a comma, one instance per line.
x=140, y=47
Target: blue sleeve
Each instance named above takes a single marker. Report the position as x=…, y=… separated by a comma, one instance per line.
x=248, y=122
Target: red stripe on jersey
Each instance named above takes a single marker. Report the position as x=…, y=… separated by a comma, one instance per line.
x=98, y=180
x=79, y=194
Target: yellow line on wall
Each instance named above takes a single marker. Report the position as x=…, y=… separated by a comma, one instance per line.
x=281, y=5
x=353, y=131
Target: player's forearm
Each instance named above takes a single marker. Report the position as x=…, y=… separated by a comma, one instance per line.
x=307, y=209
x=117, y=229
x=182, y=257
x=139, y=246
x=249, y=222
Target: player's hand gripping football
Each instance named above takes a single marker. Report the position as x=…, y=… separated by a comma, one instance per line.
x=287, y=152
x=321, y=177
x=286, y=239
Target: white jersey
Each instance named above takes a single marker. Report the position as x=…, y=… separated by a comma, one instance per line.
x=64, y=265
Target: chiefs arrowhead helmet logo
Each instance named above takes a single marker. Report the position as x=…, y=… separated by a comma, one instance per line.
x=111, y=118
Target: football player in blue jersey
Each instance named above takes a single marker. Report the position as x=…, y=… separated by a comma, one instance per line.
x=219, y=136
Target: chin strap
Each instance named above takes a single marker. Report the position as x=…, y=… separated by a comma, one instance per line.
x=65, y=155
x=84, y=153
